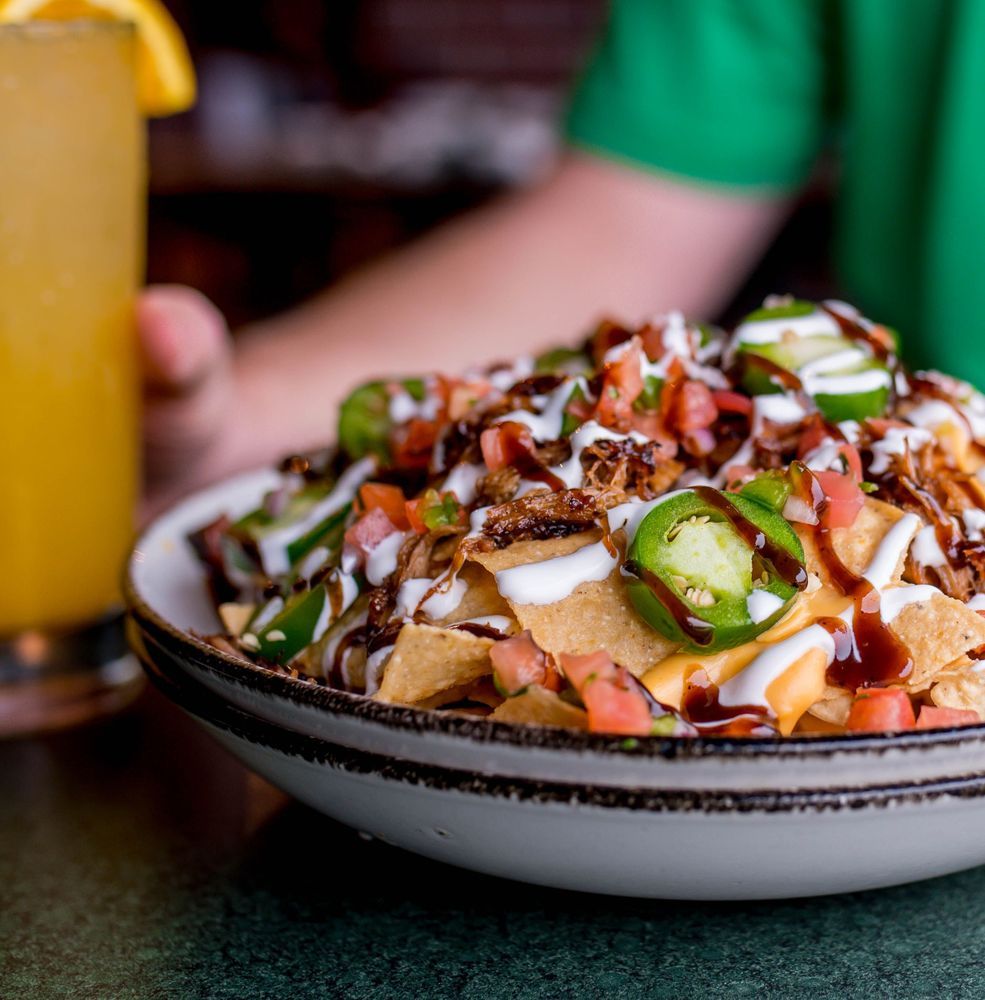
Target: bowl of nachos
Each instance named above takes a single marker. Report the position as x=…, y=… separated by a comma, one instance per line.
x=724, y=587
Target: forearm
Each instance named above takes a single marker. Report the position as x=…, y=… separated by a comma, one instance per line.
x=529, y=271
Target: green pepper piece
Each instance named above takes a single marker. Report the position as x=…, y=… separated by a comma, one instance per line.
x=563, y=361
x=327, y=532
x=295, y=627
x=771, y=488
x=569, y=422
x=364, y=422
x=364, y=418
x=694, y=570
x=649, y=398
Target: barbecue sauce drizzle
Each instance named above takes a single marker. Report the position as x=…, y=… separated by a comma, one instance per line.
x=867, y=652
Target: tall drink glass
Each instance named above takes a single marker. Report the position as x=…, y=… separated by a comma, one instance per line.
x=72, y=193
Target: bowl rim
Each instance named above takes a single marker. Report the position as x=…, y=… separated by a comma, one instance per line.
x=311, y=694
x=210, y=708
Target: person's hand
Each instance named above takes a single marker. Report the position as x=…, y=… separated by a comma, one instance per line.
x=186, y=353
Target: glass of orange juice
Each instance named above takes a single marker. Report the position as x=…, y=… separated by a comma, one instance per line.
x=72, y=197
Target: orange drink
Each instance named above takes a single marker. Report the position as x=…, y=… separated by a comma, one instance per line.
x=72, y=166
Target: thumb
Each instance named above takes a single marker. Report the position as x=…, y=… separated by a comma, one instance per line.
x=183, y=339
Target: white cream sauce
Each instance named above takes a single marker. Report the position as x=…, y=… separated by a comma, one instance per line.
x=894, y=443
x=761, y=604
x=552, y=580
x=462, y=482
x=845, y=385
x=926, y=549
x=273, y=547
x=382, y=558
x=772, y=331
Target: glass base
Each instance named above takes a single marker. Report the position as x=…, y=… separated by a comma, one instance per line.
x=52, y=680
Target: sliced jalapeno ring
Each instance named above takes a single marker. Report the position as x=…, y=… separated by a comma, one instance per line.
x=712, y=570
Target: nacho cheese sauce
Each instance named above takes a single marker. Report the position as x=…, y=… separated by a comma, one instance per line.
x=880, y=472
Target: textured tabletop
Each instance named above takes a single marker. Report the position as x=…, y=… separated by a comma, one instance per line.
x=137, y=859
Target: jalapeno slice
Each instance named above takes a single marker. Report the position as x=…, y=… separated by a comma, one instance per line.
x=364, y=418
x=842, y=376
x=713, y=570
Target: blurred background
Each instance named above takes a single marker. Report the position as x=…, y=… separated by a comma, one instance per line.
x=329, y=131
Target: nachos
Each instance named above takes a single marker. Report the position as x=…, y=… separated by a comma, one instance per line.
x=669, y=530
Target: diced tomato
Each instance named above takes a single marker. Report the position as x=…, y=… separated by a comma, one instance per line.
x=389, y=499
x=728, y=401
x=844, y=499
x=652, y=338
x=607, y=335
x=460, y=395
x=932, y=717
x=582, y=668
x=650, y=424
x=615, y=708
x=519, y=662
x=621, y=384
x=413, y=442
x=612, y=697
x=414, y=519
x=370, y=530
x=880, y=710
x=816, y=433
x=692, y=407
x=736, y=475
x=503, y=444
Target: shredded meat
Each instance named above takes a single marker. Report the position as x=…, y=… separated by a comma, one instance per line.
x=628, y=467
x=426, y=555
x=925, y=483
x=546, y=515
x=497, y=487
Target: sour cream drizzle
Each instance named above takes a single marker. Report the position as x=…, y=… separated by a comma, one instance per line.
x=553, y=580
x=772, y=331
x=382, y=558
x=273, y=547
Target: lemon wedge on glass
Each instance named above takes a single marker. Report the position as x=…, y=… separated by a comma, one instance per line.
x=165, y=77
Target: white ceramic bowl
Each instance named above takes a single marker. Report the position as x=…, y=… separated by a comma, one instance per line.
x=711, y=818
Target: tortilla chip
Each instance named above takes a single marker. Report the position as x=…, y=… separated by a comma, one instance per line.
x=936, y=632
x=481, y=599
x=539, y=707
x=447, y=697
x=597, y=615
x=962, y=688
x=235, y=617
x=856, y=545
x=833, y=706
x=427, y=660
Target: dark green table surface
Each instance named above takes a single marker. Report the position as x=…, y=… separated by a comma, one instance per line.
x=137, y=859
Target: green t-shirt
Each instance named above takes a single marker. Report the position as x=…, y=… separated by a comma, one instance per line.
x=745, y=93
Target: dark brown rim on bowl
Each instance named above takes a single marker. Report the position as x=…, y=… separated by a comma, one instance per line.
x=304, y=692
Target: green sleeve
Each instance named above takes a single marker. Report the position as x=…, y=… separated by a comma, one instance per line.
x=733, y=92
